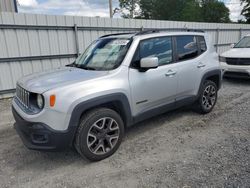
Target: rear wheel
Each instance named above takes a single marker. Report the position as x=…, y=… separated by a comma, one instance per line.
x=99, y=134
x=207, y=98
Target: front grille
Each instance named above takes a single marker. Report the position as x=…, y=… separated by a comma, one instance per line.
x=238, y=61
x=23, y=96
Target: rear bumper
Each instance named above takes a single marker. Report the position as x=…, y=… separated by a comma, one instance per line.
x=38, y=136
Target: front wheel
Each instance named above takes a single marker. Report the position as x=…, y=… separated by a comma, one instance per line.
x=99, y=134
x=207, y=98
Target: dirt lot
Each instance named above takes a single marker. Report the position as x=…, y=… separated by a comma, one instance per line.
x=177, y=149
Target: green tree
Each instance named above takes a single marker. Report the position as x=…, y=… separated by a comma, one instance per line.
x=214, y=11
x=162, y=9
x=246, y=10
x=191, y=11
x=129, y=8
x=180, y=10
x=147, y=10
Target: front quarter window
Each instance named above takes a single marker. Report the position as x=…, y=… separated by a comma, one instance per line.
x=104, y=54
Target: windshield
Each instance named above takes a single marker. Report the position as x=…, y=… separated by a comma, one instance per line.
x=104, y=54
x=244, y=43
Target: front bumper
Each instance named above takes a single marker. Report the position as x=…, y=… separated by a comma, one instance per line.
x=38, y=136
x=235, y=71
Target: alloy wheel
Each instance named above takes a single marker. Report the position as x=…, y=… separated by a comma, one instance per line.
x=209, y=97
x=103, y=136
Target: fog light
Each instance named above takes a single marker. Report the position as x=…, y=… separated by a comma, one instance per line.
x=37, y=126
x=39, y=138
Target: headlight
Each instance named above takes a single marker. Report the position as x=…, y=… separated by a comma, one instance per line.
x=39, y=101
x=222, y=59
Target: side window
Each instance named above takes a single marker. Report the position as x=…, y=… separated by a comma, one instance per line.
x=202, y=44
x=187, y=47
x=160, y=47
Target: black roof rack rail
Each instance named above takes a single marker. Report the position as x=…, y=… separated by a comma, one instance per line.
x=196, y=30
x=147, y=31
x=116, y=34
x=156, y=30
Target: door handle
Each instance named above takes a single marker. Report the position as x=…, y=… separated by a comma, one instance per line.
x=170, y=73
x=200, y=65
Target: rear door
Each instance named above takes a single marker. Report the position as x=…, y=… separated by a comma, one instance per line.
x=189, y=62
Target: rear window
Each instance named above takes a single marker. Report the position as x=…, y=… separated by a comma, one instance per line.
x=187, y=47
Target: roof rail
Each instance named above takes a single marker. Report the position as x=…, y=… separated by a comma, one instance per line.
x=116, y=34
x=196, y=30
x=150, y=31
x=147, y=31
x=158, y=30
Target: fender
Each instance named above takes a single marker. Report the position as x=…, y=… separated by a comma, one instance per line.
x=216, y=72
x=119, y=98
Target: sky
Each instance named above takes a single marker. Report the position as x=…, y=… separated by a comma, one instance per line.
x=235, y=8
x=90, y=8
x=93, y=8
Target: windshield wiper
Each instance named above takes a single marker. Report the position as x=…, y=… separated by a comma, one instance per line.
x=71, y=64
x=85, y=67
x=80, y=66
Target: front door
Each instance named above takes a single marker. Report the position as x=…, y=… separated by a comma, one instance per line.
x=155, y=87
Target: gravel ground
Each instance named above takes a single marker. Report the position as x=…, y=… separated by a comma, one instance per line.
x=177, y=149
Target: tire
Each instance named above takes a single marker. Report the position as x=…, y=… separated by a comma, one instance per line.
x=99, y=134
x=207, y=98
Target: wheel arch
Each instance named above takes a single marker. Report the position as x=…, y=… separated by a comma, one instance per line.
x=117, y=102
x=214, y=75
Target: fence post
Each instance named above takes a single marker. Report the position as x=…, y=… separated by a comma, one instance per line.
x=240, y=33
x=217, y=38
x=76, y=39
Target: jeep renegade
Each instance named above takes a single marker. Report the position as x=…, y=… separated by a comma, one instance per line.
x=120, y=79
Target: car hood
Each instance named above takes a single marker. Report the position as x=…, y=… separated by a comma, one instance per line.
x=237, y=53
x=41, y=82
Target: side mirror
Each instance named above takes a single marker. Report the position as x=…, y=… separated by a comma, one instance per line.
x=149, y=63
x=232, y=45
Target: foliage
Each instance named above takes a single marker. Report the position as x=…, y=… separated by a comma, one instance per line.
x=246, y=10
x=214, y=11
x=128, y=8
x=180, y=10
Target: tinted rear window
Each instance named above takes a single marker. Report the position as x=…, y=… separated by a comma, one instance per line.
x=187, y=47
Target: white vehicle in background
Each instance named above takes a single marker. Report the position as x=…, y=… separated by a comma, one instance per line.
x=236, y=62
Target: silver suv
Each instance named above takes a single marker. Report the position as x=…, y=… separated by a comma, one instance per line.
x=121, y=79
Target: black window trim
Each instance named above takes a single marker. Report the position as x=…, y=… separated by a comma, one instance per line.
x=198, y=37
x=138, y=46
x=198, y=46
